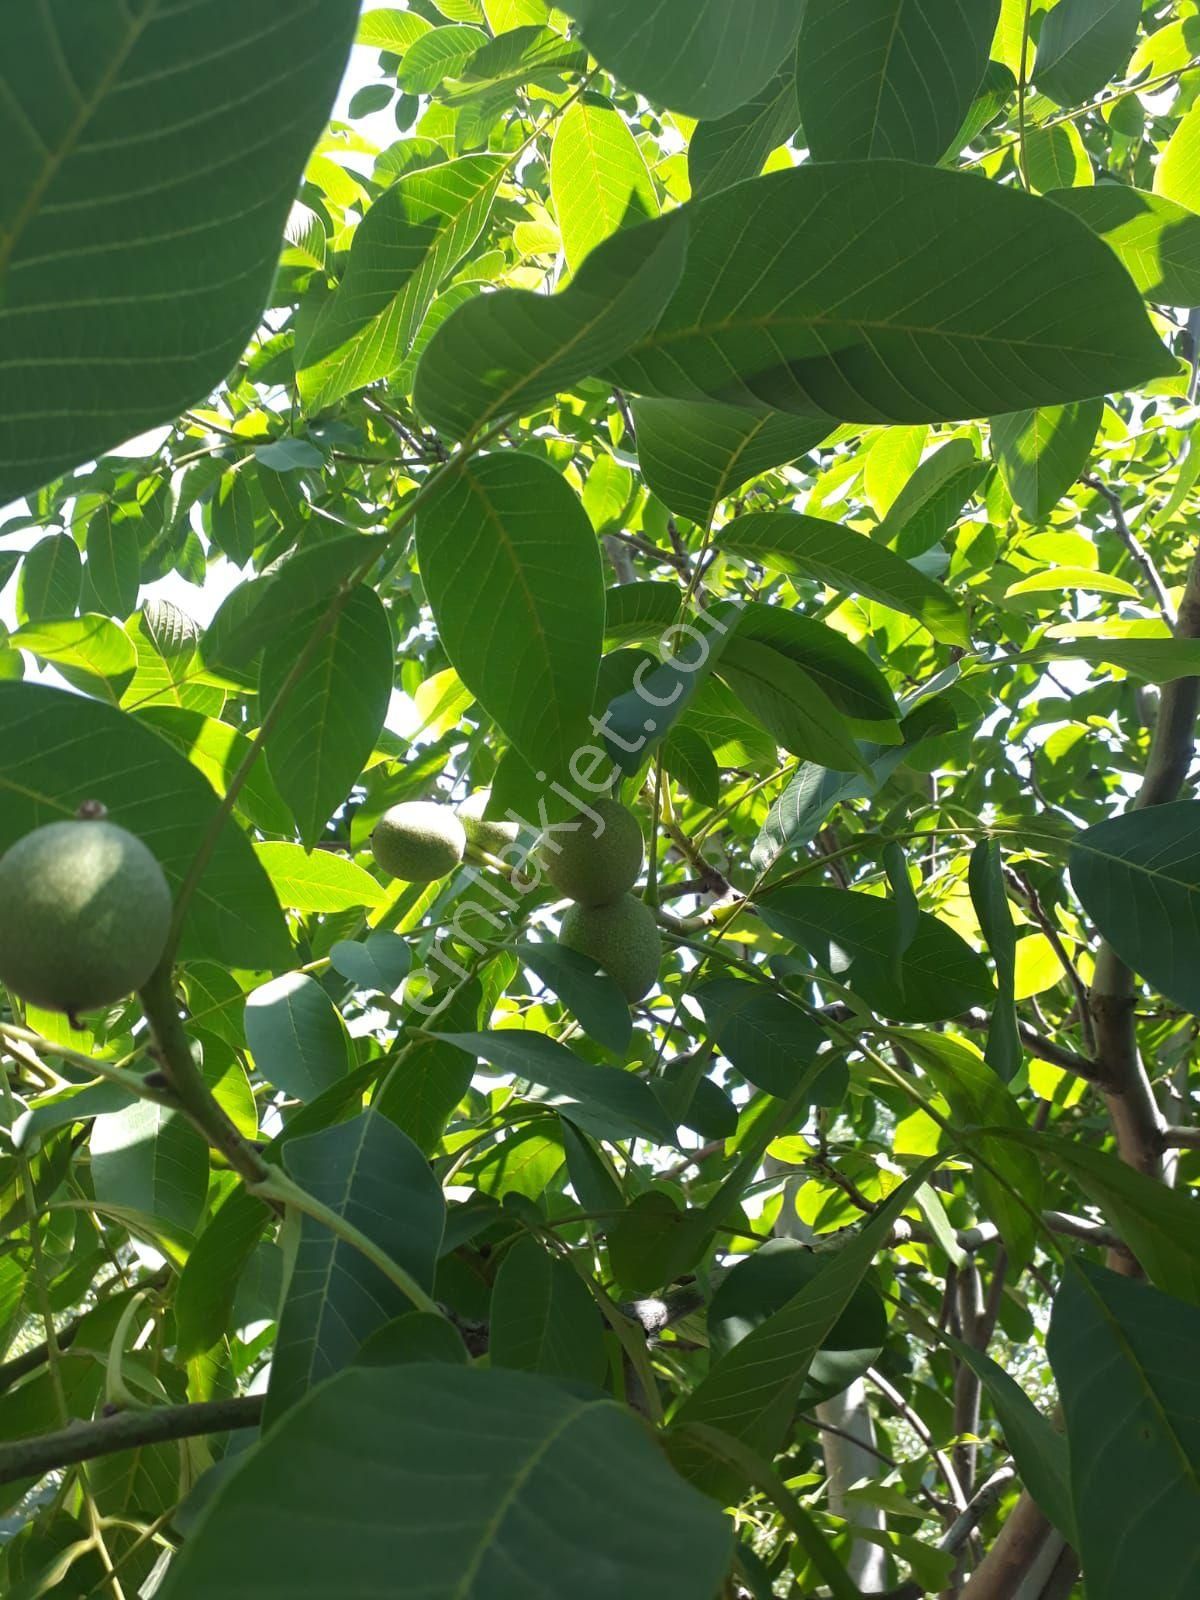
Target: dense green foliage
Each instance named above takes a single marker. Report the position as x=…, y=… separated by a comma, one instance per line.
x=662, y=683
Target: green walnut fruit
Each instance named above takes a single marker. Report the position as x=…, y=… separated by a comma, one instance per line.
x=492, y=834
x=419, y=841
x=622, y=938
x=595, y=870
x=84, y=915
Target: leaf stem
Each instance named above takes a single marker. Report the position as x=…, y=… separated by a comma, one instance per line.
x=278, y=1187
x=1022, y=84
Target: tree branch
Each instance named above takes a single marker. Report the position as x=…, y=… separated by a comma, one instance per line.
x=1017, y=1547
x=667, y=557
x=1137, y=1121
x=985, y=1497
x=84, y=1441
x=187, y=1081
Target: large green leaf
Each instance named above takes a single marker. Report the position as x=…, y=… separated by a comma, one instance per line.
x=320, y=881
x=150, y=1159
x=1039, y=1451
x=334, y=711
x=420, y=1093
x=789, y=703
x=60, y=750
x=51, y=574
x=811, y=547
x=852, y=936
x=537, y=1478
x=599, y=180
x=1157, y=1223
x=1041, y=453
x=440, y=53
x=219, y=751
x=1157, y=241
x=1125, y=1359
x=91, y=652
x=512, y=570
x=770, y=1039
x=847, y=675
x=604, y=1101
x=1157, y=660
x=693, y=454
x=380, y=962
x=114, y=561
x=403, y=249
x=150, y=164
x=253, y=614
x=925, y=295
x=1083, y=44
x=391, y=30
x=890, y=77
x=1138, y=876
x=1010, y=1186
x=296, y=1035
x=933, y=498
x=735, y=146
x=762, y=1283
x=543, y=1319
x=374, y=1177
x=165, y=639
x=704, y=60
x=501, y=353
x=208, y=1282
x=750, y=1392
x=1177, y=175
x=593, y=996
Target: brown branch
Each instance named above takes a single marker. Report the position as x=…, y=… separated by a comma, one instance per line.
x=187, y=1083
x=20, y=1366
x=1137, y=1121
x=84, y=1441
x=1018, y=1545
x=1175, y=1138
x=716, y=882
x=1058, y=1055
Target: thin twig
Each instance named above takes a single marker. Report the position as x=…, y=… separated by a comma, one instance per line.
x=1135, y=547
x=1022, y=86
x=917, y=1424
x=626, y=415
x=1039, y=914
x=656, y=551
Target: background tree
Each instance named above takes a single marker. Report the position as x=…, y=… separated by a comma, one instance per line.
x=769, y=428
